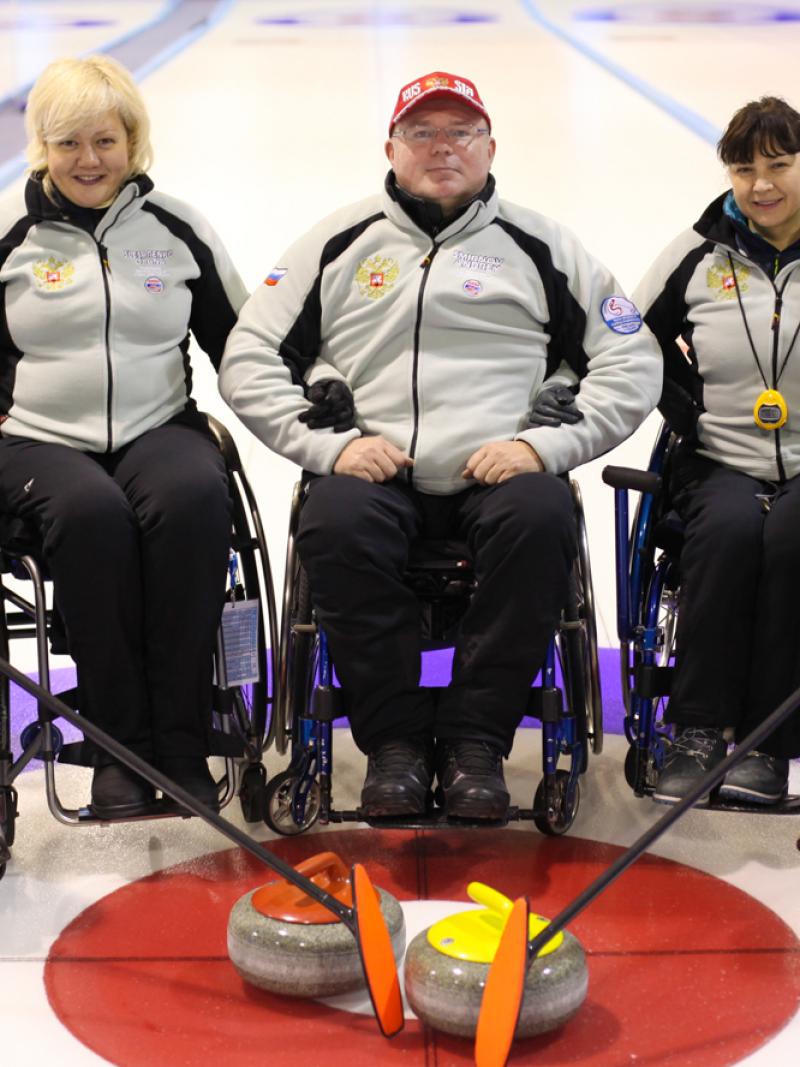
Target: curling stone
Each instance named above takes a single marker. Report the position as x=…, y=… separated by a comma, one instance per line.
x=447, y=964
x=282, y=940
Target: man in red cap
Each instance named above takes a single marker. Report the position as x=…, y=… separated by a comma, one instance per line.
x=442, y=309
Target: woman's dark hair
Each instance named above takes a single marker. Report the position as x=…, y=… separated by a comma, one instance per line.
x=769, y=126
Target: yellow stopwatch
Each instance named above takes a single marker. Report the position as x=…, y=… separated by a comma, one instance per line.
x=770, y=411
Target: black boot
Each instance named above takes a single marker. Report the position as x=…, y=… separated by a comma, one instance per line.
x=192, y=774
x=398, y=782
x=118, y=793
x=471, y=782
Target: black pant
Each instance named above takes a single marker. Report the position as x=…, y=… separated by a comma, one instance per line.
x=738, y=637
x=136, y=543
x=353, y=541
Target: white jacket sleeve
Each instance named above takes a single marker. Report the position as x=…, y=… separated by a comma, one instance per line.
x=622, y=383
x=270, y=351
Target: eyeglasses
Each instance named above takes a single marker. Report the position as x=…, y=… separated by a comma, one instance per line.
x=460, y=136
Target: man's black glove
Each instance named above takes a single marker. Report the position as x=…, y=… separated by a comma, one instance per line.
x=331, y=405
x=554, y=406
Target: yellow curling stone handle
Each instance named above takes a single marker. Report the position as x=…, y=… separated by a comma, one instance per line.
x=473, y=936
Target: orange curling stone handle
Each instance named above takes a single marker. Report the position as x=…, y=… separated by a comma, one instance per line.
x=283, y=901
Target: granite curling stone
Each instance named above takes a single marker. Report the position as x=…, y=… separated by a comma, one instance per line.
x=447, y=964
x=281, y=940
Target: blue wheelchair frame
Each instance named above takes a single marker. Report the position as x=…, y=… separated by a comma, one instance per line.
x=302, y=795
x=647, y=578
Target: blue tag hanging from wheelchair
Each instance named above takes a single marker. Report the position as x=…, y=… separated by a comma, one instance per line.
x=239, y=629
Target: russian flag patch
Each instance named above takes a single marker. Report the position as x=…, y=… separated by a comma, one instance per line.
x=275, y=276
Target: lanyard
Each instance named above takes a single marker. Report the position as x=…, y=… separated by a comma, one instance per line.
x=776, y=318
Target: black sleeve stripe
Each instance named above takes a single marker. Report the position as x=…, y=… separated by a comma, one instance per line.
x=567, y=319
x=300, y=346
x=682, y=396
x=213, y=316
x=10, y=355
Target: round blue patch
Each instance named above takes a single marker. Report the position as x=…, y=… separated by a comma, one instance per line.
x=620, y=314
x=153, y=285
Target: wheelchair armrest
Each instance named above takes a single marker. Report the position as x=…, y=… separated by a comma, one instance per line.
x=630, y=478
x=225, y=442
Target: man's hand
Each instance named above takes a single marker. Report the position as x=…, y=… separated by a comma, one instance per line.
x=498, y=461
x=331, y=405
x=372, y=458
x=553, y=406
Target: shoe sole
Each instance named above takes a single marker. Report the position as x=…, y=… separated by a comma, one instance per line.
x=124, y=811
x=663, y=798
x=733, y=793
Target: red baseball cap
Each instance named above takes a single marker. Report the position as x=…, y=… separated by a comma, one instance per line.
x=438, y=85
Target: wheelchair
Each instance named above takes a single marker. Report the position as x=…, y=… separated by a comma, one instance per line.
x=648, y=583
x=244, y=697
x=567, y=702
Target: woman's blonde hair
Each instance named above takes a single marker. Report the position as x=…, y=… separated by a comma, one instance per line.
x=70, y=93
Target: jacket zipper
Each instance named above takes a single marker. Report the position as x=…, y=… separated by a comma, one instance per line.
x=106, y=270
x=426, y=268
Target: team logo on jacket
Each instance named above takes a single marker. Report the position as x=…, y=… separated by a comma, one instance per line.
x=52, y=273
x=154, y=284
x=722, y=283
x=472, y=287
x=376, y=275
x=620, y=314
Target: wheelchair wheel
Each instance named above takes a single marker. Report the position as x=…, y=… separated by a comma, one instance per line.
x=556, y=819
x=279, y=800
x=296, y=634
x=589, y=665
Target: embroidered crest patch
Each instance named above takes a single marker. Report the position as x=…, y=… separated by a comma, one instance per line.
x=721, y=282
x=376, y=275
x=52, y=273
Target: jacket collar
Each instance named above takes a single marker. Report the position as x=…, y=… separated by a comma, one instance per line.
x=58, y=209
x=414, y=212
x=723, y=223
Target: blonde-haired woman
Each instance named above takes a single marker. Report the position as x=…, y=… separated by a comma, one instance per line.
x=102, y=450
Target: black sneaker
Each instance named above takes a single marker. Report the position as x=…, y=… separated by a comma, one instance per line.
x=759, y=779
x=398, y=781
x=118, y=793
x=471, y=782
x=192, y=774
x=695, y=750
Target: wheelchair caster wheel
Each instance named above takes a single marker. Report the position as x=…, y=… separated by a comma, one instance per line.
x=282, y=941
x=32, y=731
x=558, y=818
x=278, y=805
x=251, y=792
x=446, y=967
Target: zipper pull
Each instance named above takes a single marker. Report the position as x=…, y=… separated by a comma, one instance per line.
x=104, y=258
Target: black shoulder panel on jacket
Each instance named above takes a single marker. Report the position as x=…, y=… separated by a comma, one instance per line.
x=300, y=346
x=213, y=316
x=567, y=322
x=681, y=401
x=10, y=355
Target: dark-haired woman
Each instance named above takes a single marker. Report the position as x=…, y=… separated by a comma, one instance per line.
x=729, y=290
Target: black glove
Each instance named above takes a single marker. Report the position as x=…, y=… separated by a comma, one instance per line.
x=331, y=405
x=554, y=406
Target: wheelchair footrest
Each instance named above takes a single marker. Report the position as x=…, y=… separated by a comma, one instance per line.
x=436, y=819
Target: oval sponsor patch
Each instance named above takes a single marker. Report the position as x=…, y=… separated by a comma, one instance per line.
x=621, y=314
x=153, y=285
x=472, y=287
